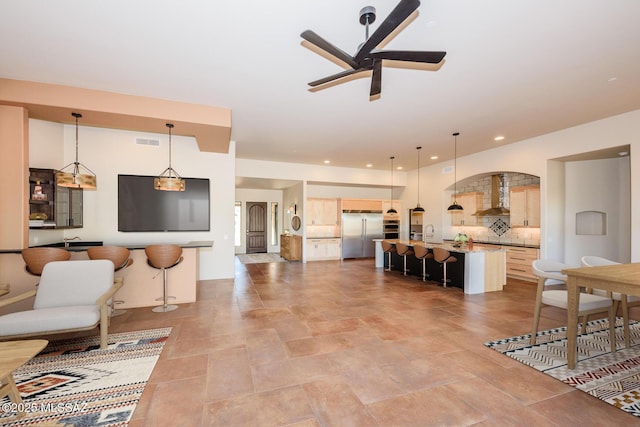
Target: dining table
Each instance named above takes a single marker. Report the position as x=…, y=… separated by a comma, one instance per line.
x=622, y=278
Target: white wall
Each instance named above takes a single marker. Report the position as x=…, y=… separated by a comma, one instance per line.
x=109, y=152
x=603, y=186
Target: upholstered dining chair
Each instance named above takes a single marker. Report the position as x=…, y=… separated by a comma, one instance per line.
x=71, y=296
x=121, y=259
x=36, y=258
x=619, y=300
x=549, y=273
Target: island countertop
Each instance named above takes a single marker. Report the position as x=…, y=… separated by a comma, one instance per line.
x=79, y=245
x=444, y=245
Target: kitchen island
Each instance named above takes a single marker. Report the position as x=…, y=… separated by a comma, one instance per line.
x=476, y=271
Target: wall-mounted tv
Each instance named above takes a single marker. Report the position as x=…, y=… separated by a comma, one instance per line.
x=143, y=208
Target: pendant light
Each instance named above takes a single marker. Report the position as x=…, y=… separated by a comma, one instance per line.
x=418, y=208
x=391, y=210
x=169, y=180
x=74, y=177
x=455, y=206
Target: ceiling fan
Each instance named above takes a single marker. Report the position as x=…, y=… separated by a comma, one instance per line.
x=367, y=58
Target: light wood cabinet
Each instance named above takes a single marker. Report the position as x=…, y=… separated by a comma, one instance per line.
x=291, y=247
x=322, y=212
x=524, y=204
x=361, y=205
x=387, y=204
x=323, y=249
x=470, y=203
x=519, y=262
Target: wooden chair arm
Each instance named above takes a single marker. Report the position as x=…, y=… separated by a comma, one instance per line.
x=117, y=284
x=8, y=301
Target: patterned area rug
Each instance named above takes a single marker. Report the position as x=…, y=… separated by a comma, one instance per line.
x=259, y=258
x=611, y=377
x=73, y=383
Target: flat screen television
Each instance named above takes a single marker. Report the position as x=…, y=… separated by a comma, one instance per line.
x=143, y=208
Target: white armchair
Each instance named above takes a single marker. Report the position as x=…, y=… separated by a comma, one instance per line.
x=549, y=273
x=71, y=296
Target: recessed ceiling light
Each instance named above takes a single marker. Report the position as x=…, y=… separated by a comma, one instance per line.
x=498, y=138
x=369, y=165
x=434, y=157
x=326, y=162
x=399, y=168
x=612, y=79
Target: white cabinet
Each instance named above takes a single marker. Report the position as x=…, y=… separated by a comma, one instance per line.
x=323, y=249
x=470, y=203
x=322, y=211
x=524, y=204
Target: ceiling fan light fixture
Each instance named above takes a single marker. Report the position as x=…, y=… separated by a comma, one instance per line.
x=169, y=179
x=455, y=207
x=76, y=175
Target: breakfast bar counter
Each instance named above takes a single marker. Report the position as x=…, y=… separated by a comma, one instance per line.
x=477, y=270
x=142, y=283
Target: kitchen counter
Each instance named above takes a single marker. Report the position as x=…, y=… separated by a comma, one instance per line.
x=142, y=283
x=514, y=244
x=477, y=270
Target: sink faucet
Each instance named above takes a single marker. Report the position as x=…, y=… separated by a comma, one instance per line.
x=66, y=240
x=433, y=230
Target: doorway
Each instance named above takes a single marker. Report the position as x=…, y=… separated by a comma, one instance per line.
x=256, y=241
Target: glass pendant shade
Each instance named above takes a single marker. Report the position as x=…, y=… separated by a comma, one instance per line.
x=169, y=180
x=418, y=208
x=76, y=175
x=455, y=206
x=391, y=210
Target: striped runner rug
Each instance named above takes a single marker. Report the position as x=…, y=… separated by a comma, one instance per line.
x=75, y=384
x=611, y=377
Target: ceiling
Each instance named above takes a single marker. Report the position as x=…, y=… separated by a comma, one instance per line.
x=517, y=69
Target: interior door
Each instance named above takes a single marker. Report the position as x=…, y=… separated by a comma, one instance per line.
x=256, y=227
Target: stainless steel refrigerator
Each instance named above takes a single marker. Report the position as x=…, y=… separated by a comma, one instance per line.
x=358, y=232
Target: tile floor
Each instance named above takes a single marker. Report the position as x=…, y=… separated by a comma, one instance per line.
x=345, y=344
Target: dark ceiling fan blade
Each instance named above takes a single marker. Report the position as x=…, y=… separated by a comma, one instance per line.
x=395, y=18
x=409, y=55
x=337, y=76
x=318, y=41
x=376, y=79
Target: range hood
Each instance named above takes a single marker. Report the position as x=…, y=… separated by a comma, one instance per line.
x=497, y=196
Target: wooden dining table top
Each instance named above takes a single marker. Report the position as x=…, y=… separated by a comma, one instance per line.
x=624, y=278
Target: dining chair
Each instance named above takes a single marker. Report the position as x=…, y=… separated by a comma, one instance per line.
x=619, y=300
x=549, y=273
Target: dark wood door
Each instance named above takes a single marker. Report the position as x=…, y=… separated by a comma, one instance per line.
x=256, y=227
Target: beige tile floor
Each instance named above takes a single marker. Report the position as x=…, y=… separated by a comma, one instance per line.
x=345, y=344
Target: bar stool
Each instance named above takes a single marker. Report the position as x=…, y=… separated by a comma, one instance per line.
x=388, y=248
x=120, y=257
x=36, y=258
x=404, y=251
x=422, y=253
x=164, y=257
x=443, y=257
